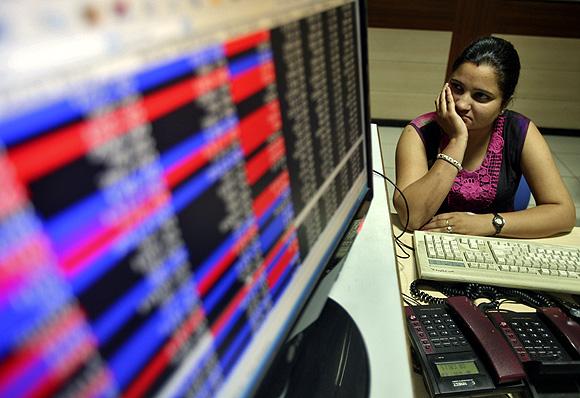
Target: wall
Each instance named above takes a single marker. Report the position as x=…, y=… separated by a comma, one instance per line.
x=407, y=68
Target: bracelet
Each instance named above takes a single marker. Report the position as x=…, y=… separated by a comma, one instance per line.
x=450, y=160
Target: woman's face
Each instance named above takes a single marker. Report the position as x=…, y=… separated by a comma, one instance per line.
x=478, y=99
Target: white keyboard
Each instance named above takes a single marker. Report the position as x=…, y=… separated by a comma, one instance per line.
x=513, y=263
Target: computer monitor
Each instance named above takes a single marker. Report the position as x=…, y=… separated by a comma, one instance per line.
x=175, y=177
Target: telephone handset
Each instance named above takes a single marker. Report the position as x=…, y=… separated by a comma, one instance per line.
x=504, y=363
x=463, y=351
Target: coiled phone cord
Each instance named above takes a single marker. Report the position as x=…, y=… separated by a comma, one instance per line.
x=476, y=291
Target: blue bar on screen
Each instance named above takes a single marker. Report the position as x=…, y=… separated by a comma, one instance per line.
x=248, y=62
x=91, y=272
x=130, y=358
x=268, y=213
x=189, y=191
x=224, y=331
x=226, y=281
x=25, y=316
x=228, y=360
x=166, y=71
x=283, y=280
x=125, y=307
x=196, y=142
x=276, y=228
x=228, y=244
x=279, y=255
x=18, y=128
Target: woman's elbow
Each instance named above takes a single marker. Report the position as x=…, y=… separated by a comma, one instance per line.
x=409, y=219
x=413, y=226
x=567, y=218
x=570, y=219
x=410, y=224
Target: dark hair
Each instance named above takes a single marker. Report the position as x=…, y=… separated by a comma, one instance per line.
x=499, y=54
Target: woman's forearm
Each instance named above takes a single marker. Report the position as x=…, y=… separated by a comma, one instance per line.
x=540, y=221
x=425, y=196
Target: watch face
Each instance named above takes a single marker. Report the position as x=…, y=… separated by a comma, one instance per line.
x=498, y=221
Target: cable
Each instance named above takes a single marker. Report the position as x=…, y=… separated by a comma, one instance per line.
x=402, y=248
x=495, y=294
x=421, y=296
x=405, y=228
x=402, y=245
x=409, y=300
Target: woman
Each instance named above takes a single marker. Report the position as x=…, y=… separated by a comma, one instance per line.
x=459, y=167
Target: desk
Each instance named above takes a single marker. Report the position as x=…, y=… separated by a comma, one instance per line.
x=369, y=288
x=407, y=274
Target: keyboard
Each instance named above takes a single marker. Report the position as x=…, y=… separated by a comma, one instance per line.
x=520, y=264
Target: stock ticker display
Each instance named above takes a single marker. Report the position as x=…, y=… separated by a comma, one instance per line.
x=150, y=221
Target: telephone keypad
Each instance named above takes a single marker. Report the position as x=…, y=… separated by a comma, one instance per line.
x=440, y=329
x=539, y=344
x=530, y=338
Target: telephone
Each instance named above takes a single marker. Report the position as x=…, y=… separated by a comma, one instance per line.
x=464, y=351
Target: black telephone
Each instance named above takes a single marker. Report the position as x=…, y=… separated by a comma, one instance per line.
x=463, y=351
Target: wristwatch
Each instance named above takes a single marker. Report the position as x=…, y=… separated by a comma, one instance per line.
x=498, y=223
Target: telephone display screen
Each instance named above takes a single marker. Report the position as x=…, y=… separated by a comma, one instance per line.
x=457, y=368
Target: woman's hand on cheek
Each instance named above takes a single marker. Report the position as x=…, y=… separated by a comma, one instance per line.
x=447, y=116
x=465, y=223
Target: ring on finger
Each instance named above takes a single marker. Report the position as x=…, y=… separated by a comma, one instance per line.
x=447, y=223
x=450, y=229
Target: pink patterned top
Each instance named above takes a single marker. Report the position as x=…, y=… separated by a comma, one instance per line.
x=492, y=186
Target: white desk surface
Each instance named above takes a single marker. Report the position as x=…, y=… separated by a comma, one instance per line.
x=368, y=289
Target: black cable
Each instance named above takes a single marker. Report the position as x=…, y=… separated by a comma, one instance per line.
x=405, y=228
x=422, y=296
x=495, y=294
x=406, y=245
x=409, y=300
x=398, y=241
x=402, y=248
x=402, y=245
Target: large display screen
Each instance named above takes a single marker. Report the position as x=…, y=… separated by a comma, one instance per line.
x=174, y=176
